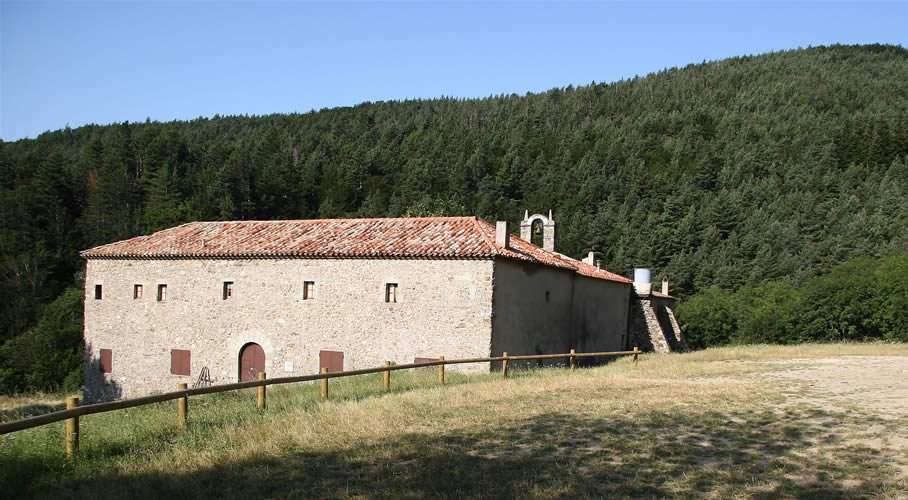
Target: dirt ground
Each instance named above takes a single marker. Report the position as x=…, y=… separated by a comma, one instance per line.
x=875, y=386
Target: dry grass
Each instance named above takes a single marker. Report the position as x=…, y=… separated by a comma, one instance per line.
x=776, y=352
x=21, y=406
x=677, y=425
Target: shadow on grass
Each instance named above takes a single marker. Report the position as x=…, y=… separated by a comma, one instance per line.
x=29, y=410
x=756, y=454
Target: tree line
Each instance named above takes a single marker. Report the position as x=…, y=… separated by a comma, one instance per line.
x=724, y=174
x=863, y=299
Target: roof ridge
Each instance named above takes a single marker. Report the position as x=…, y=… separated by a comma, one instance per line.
x=492, y=246
x=276, y=221
x=137, y=237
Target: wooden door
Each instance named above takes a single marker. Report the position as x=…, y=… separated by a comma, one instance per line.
x=252, y=362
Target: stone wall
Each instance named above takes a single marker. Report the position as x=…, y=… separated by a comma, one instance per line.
x=654, y=327
x=444, y=308
x=665, y=315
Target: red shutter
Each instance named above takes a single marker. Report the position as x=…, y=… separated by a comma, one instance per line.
x=179, y=362
x=332, y=360
x=106, y=363
x=424, y=360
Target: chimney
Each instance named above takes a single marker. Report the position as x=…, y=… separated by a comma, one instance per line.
x=590, y=258
x=643, y=282
x=665, y=285
x=503, y=234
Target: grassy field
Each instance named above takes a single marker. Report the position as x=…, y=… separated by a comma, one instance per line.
x=717, y=423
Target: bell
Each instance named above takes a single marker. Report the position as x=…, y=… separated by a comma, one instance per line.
x=538, y=229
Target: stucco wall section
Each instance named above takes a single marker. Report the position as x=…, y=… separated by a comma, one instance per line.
x=444, y=308
x=578, y=313
x=600, y=314
x=524, y=320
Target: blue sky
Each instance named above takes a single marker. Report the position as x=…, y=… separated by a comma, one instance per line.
x=77, y=62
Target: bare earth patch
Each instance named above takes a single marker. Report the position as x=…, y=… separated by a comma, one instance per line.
x=878, y=384
x=868, y=385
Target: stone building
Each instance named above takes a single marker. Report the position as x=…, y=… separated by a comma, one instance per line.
x=221, y=301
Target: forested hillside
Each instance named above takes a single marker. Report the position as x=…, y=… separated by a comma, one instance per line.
x=729, y=173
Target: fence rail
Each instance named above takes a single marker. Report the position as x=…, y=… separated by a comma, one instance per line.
x=74, y=411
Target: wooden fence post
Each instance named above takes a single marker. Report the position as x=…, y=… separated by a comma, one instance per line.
x=441, y=370
x=636, y=352
x=182, y=406
x=387, y=376
x=260, y=403
x=325, y=384
x=72, y=429
x=573, y=360
x=504, y=364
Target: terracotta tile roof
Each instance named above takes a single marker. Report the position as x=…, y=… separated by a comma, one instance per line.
x=423, y=237
x=595, y=272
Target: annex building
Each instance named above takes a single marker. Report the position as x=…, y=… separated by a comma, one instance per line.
x=232, y=299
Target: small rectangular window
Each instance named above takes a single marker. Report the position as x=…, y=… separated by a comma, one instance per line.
x=137, y=291
x=308, y=290
x=179, y=362
x=228, y=289
x=391, y=292
x=105, y=364
x=98, y=292
x=162, y=293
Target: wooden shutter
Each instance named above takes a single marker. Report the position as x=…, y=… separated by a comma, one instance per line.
x=106, y=363
x=179, y=362
x=332, y=360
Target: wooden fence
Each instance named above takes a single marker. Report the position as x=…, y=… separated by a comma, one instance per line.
x=73, y=411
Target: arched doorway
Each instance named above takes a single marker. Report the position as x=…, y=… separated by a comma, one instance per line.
x=252, y=362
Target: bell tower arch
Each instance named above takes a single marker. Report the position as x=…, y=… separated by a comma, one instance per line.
x=548, y=229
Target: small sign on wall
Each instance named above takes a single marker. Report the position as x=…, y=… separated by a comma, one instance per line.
x=288, y=366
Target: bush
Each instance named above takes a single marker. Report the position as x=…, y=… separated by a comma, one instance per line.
x=709, y=318
x=840, y=305
x=864, y=299
x=765, y=313
x=892, y=312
